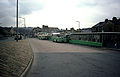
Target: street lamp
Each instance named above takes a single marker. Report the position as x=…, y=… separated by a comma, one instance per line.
x=78, y=24
x=24, y=25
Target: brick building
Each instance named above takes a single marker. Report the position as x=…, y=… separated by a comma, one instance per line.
x=107, y=26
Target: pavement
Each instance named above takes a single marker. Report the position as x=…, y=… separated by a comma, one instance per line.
x=68, y=60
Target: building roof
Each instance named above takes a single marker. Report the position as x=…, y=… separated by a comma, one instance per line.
x=98, y=24
x=53, y=27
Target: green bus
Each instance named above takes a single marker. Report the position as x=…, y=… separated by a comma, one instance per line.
x=60, y=38
x=43, y=37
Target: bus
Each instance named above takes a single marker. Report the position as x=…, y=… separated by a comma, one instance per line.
x=57, y=37
x=43, y=37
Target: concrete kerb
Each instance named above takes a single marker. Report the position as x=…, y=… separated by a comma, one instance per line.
x=28, y=66
x=114, y=49
x=104, y=48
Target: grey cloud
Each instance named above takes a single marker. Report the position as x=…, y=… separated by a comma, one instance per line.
x=27, y=7
x=104, y=9
x=98, y=3
x=110, y=9
x=12, y=2
x=5, y=9
x=87, y=4
x=6, y=13
x=7, y=21
x=8, y=10
x=24, y=10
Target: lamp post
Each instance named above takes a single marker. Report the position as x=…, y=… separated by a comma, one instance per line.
x=24, y=26
x=24, y=21
x=78, y=24
x=17, y=21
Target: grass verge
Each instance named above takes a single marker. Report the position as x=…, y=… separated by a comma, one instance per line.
x=14, y=57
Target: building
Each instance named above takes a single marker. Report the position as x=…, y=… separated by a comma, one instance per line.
x=36, y=30
x=44, y=30
x=86, y=30
x=72, y=30
x=107, y=26
x=98, y=27
x=49, y=29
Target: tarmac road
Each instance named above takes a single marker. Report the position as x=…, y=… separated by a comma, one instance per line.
x=69, y=60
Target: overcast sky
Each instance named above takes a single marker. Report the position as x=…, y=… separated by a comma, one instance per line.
x=58, y=13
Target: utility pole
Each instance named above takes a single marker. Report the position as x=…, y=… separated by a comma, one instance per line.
x=17, y=21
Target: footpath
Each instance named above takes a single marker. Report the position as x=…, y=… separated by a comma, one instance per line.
x=14, y=57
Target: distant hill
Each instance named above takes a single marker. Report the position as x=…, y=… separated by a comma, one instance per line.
x=23, y=30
